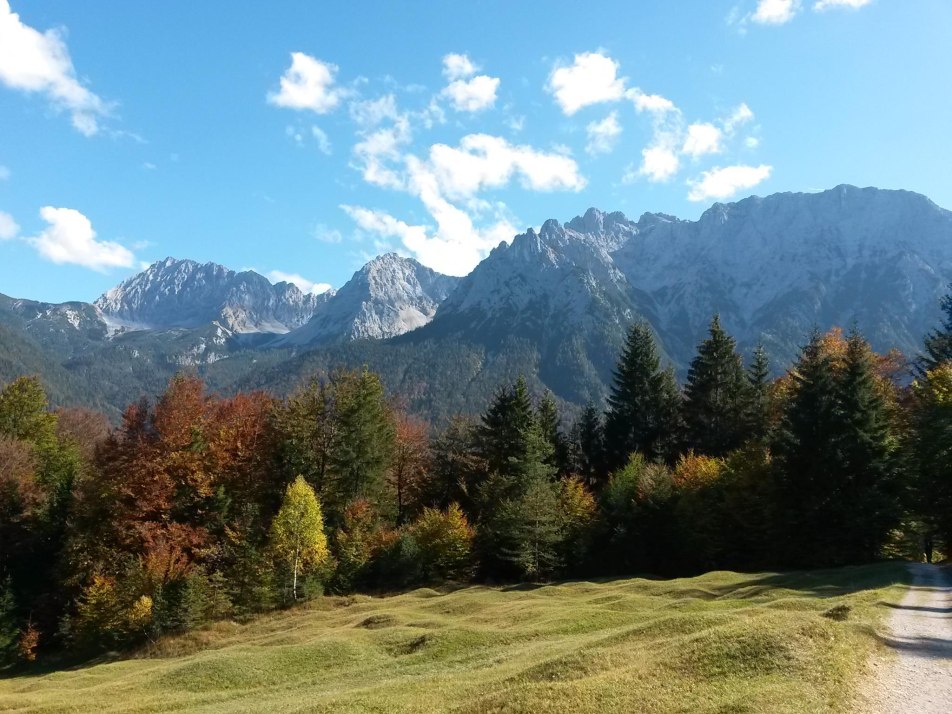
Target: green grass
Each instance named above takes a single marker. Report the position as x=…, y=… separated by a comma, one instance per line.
x=722, y=642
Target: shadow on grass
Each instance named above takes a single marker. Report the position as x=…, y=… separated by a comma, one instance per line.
x=919, y=608
x=828, y=583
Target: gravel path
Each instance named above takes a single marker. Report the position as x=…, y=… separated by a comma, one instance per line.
x=919, y=678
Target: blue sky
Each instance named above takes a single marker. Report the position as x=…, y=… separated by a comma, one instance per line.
x=299, y=138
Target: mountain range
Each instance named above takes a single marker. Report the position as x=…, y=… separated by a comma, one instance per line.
x=553, y=305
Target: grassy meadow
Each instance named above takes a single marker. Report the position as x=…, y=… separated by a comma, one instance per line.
x=721, y=642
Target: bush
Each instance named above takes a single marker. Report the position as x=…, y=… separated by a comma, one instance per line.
x=444, y=540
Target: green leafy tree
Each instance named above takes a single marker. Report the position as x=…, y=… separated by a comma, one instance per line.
x=445, y=542
x=297, y=532
x=644, y=405
x=715, y=395
x=932, y=447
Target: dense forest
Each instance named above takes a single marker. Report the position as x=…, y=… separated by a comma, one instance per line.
x=199, y=507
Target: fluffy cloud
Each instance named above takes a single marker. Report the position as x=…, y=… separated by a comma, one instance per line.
x=701, y=139
x=308, y=84
x=775, y=12
x=659, y=162
x=603, y=135
x=482, y=161
x=653, y=103
x=472, y=95
x=305, y=285
x=8, y=227
x=70, y=238
x=371, y=112
x=39, y=62
x=590, y=79
x=826, y=4
x=379, y=148
x=738, y=117
x=458, y=67
x=724, y=182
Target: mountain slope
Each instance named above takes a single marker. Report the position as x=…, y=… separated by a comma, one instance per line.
x=389, y=296
x=183, y=293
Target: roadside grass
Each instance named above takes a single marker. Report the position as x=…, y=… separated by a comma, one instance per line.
x=721, y=642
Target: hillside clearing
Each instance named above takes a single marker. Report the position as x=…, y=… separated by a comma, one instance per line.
x=720, y=642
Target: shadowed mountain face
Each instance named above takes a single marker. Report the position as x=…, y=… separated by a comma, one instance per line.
x=553, y=305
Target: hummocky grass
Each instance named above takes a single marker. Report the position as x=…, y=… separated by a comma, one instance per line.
x=721, y=642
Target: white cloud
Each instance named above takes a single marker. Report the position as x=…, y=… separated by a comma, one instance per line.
x=457, y=66
x=740, y=116
x=8, y=227
x=371, y=112
x=751, y=142
x=775, y=12
x=827, y=4
x=149, y=166
x=70, y=238
x=4, y=173
x=326, y=234
x=323, y=142
x=305, y=285
x=39, y=62
x=653, y=103
x=719, y=183
x=308, y=84
x=482, y=161
x=603, y=135
x=590, y=79
x=472, y=95
x=701, y=139
x=379, y=148
x=659, y=163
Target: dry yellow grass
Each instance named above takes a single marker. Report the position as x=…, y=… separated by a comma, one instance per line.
x=722, y=642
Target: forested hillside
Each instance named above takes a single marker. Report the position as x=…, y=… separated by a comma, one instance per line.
x=199, y=506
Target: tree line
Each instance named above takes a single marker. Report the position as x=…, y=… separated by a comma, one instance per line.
x=199, y=507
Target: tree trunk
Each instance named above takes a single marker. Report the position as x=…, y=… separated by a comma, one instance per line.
x=294, y=583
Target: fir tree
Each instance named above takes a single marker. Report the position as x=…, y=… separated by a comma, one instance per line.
x=507, y=427
x=809, y=459
x=868, y=494
x=757, y=412
x=548, y=418
x=588, y=446
x=715, y=395
x=644, y=404
x=938, y=343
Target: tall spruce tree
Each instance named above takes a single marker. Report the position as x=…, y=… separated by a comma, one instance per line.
x=549, y=421
x=757, y=410
x=504, y=433
x=869, y=489
x=808, y=445
x=644, y=405
x=938, y=343
x=588, y=447
x=715, y=396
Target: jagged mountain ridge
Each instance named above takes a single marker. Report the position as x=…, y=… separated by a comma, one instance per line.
x=553, y=305
x=182, y=293
x=389, y=296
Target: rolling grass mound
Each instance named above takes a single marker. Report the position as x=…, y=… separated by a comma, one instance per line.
x=722, y=642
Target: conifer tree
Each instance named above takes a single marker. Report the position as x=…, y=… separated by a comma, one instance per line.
x=938, y=343
x=548, y=418
x=869, y=491
x=715, y=395
x=588, y=447
x=757, y=421
x=504, y=435
x=809, y=459
x=644, y=404
x=363, y=440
